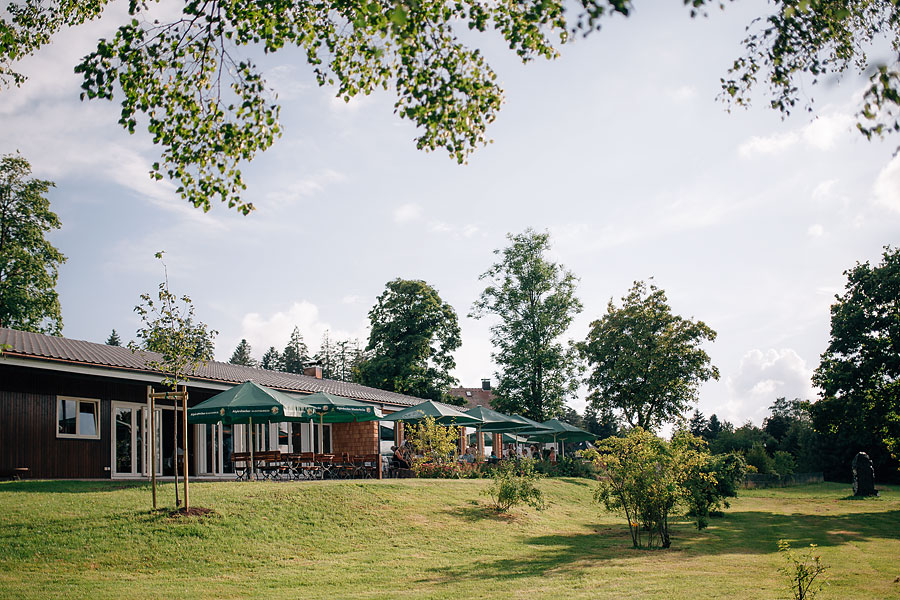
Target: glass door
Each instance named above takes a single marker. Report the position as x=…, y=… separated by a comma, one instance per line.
x=128, y=443
x=215, y=446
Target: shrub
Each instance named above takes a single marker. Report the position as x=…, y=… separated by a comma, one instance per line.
x=759, y=458
x=705, y=482
x=803, y=571
x=435, y=443
x=514, y=484
x=567, y=467
x=638, y=477
x=647, y=479
x=784, y=463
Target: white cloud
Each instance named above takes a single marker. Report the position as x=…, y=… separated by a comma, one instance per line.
x=275, y=330
x=682, y=93
x=887, y=185
x=763, y=376
x=772, y=144
x=815, y=230
x=304, y=188
x=824, y=189
x=822, y=133
x=413, y=213
x=407, y=213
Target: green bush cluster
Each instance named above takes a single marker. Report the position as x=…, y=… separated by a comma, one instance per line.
x=514, y=484
x=648, y=479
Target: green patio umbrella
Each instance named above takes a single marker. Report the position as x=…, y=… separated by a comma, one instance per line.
x=563, y=432
x=337, y=409
x=530, y=427
x=250, y=402
x=491, y=420
x=495, y=422
x=442, y=414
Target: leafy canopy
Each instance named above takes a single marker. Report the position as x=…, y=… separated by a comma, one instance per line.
x=859, y=372
x=535, y=301
x=208, y=108
x=645, y=362
x=28, y=262
x=411, y=343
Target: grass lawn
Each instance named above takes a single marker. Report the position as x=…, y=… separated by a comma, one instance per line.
x=423, y=539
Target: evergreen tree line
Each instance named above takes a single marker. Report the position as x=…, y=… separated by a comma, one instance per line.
x=339, y=359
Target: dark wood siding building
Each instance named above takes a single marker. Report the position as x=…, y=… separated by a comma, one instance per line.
x=75, y=409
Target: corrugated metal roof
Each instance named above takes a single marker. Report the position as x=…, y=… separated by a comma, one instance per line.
x=50, y=348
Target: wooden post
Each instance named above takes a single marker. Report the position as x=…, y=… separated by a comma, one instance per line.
x=184, y=444
x=480, y=444
x=378, y=448
x=252, y=462
x=152, y=421
x=462, y=439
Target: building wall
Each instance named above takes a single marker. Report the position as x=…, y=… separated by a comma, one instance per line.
x=355, y=438
x=28, y=405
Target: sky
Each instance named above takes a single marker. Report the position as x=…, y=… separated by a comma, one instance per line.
x=619, y=148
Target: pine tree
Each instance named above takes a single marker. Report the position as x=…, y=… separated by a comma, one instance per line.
x=296, y=354
x=113, y=339
x=325, y=356
x=698, y=424
x=271, y=360
x=242, y=355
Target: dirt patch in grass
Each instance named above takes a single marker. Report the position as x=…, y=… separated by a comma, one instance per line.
x=194, y=511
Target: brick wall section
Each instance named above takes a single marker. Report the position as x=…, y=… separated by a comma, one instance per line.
x=354, y=438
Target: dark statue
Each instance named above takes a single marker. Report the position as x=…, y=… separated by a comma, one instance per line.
x=863, y=476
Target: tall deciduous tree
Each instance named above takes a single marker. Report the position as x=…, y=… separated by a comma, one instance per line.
x=859, y=373
x=113, y=339
x=535, y=301
x=645, y=362
x=28, y=262
x=242, y=355
x=168, y=71
x=295, y=355
x=413, y=336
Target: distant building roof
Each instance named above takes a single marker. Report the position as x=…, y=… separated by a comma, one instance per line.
x=51, y=350
x=474, y=396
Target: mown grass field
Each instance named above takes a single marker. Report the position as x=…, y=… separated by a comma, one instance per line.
x=423, y=539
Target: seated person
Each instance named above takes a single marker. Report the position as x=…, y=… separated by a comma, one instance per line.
x=467, y=457
x=398, y=457
x=552, y=456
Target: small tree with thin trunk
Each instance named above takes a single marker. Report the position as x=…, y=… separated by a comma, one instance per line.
x=170, y=329
x=113, y=339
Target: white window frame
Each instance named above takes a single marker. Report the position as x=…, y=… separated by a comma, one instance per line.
x=76, y=435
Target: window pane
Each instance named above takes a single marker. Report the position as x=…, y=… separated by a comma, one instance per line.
x=123, y=440
x=87, y=419
x=66, y=417
x=283, y=434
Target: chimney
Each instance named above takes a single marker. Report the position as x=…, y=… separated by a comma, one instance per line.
x=486, y=385
x=313, y=371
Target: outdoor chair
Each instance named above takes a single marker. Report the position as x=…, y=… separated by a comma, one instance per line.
x=307, y=467
x=345, y=467
x=240, y=462
x=326, y=463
